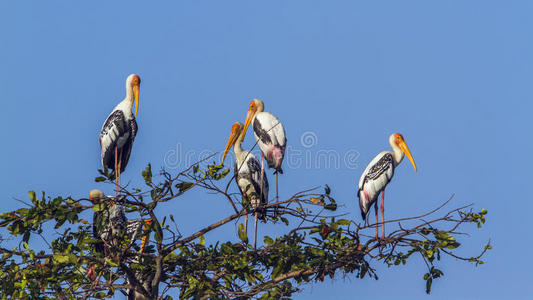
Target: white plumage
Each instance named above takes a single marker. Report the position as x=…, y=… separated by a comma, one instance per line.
x=268, y=132
x=379, y=173
x=111, y=223
x=247, y=172
x=120, y=128
x=270, y=136
x=248, y=176
x=375, y=178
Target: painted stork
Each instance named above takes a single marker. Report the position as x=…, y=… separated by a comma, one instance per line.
x=247, y=175
x=110, y=223
x=119, y=130
x=270, y=136
x=378, y=174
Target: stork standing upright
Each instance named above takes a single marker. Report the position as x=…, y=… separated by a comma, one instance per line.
x=248, y=176
x=119, y=130
x=270, y=136
x=378, y=174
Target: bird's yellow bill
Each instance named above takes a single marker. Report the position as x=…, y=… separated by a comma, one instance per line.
x=136, y=96
x=249, y=117
x=235, y=131
x=407, y=152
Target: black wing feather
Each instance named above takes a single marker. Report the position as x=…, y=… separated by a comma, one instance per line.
x=254, y=171
x=115, y=121
x=115, y=127
x=126, y=150
x=383, y=165
x=261, y=132
x=254, y=167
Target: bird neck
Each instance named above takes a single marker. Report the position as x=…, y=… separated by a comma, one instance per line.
x=129, y=93
x=397, y=152
x=237, y=148
x=127, y=104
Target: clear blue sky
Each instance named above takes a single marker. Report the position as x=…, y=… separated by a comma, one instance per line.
x=455, y=77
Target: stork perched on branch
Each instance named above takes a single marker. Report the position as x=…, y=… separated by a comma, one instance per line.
x=110, y=222
x=119, y=131
x=111, y=226
x=248, y=176
x=378, y=174
x=269, y=134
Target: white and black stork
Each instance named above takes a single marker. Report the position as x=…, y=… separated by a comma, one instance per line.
x=110, y=222
x=270, y=136
x=119, y=131
x=378, y=174
x=110, y=225
x=248, y=176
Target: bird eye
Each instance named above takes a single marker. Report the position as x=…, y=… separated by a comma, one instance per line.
x=397, y=138
x=136, y=80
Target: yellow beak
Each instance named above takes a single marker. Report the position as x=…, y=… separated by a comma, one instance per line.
x=407, y=152
x=249, y=117
x=231, y=141
x=136, y=97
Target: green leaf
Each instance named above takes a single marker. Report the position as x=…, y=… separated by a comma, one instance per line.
x=452, y=245
x=331, y=206
x=98, y=207
x=429, y=255
x=224, y=173
x=343, y=222
x=60, y=258
x=202, y=240
x=268, y=240
x=184, y=186
x=242, y=234
x=147, y=175
x=99, y=179
x=26, y=238
x=158, y=233
x=33, y=197
x=429, y=281
x=111, y=262
x=442, y=235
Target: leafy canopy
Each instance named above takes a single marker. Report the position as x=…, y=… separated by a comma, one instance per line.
x=316, y=241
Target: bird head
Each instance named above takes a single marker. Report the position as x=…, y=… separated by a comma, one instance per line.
x=96, y=196
x=134, y=82
x=256, y=106
x=236, y=130
x=398, y=140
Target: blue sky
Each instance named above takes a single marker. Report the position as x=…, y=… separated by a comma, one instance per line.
x=453, y=76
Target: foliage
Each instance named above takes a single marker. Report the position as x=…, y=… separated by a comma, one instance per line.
x=317, y=242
